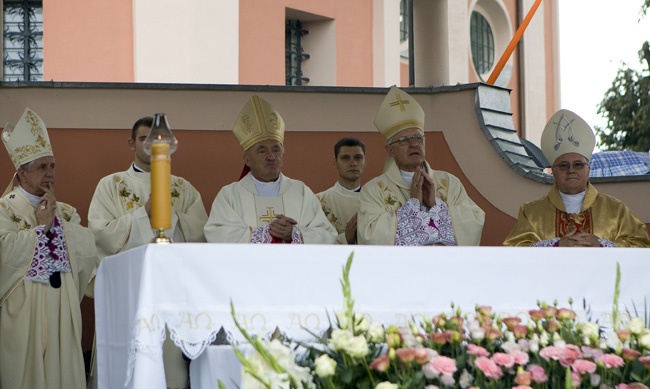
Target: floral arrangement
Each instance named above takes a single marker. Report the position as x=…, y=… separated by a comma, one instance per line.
x=545, y=348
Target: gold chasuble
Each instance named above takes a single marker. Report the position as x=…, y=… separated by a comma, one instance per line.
x=602, y=215
x=339, y=205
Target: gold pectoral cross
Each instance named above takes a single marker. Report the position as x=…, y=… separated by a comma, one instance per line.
x=269, y=217
x=400, y=102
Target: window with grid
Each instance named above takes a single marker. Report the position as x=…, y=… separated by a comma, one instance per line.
x=482, y=42
x=403, y=21
x=294, y=53
x=22, y=54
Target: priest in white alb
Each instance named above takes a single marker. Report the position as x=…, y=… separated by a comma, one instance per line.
x=265, y=206
x=120, y=217
x=411, y=204
x=46, y=261
x=341, y=202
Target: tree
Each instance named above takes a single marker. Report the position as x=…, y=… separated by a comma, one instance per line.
x=626, y=106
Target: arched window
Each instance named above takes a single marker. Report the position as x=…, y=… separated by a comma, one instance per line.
x=482, y=43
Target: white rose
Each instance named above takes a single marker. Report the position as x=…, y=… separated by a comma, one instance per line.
x=357, y=347
x=533, y=345
x=636, y=325
x=477, y=333
x=590, y=330
x=645, y=341
x=376, y=333
x=325, y=366
x=386, y=385
x=340, y=338
x=466, y=379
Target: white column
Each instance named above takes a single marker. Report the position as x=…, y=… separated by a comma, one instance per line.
x=385, y=51
x=534, y=61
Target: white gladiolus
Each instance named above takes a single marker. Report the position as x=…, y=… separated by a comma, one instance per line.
x=614, y=342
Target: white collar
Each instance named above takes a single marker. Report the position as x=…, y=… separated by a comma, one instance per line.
x=267, y=189
x=338, y=185
x=573, y=202
x=35, y=200
x=407, y=176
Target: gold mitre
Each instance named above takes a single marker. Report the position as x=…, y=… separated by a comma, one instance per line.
x=258, y=121
x=567, y=132
x=27, y=140
x=398, y=112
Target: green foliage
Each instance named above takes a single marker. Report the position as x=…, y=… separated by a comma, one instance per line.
x=626, y=106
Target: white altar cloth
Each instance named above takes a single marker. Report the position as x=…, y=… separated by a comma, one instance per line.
x=188, y=287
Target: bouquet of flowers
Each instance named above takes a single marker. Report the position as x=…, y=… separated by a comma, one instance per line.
x=545, y=348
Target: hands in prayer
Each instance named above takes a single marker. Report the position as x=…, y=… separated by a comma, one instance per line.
x=282, y=228
x=579, y=239
x=46, y=209
x=423, y=188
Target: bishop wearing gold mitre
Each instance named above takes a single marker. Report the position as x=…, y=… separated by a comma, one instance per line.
x=46, y=260
x=265, y=206
x=574, y=213
x=410, y=203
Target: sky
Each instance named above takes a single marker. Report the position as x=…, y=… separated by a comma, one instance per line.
x=596, y=36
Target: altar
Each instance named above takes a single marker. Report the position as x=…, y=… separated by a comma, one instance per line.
x=189, y=287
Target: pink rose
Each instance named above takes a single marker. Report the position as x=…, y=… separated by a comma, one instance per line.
x=439, y=338
x=537, y=373
x=484, y=310
x=569, y=354
x=443, y=365
x=536, y=314
x=565, y=314
x=488, y=367
x=523, y=377
x=511, y=322
x=503, y=359
x=522, y=387
x=592, y=353
x=622, y=386
x=380, y=364
x=582, y=366
x=576, y=379
x=521, y=358
x=520, y=331
x=630, y=355
x=550, y=352
x=645, y=360
x=477, y=350
x=421, y=355
x=611, y=360
x=406, y=355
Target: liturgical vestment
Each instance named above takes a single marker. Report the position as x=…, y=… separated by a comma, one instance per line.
x=40, y=326
x=238, y=213
x=546, y=220
x=119, y=221
x=339, y=205
x=384, y=197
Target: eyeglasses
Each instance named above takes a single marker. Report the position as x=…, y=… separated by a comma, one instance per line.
x=407, y=140
x=564, y=166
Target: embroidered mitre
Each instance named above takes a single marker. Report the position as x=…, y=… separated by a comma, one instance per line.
x=258, y=121
x=567, y=132
x=397, y=112
x=27, y=140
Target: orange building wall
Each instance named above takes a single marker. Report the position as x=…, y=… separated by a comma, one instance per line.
x=88, y=40
x=261, y=39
